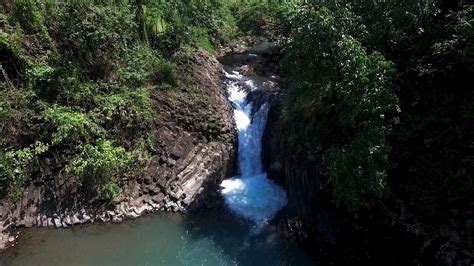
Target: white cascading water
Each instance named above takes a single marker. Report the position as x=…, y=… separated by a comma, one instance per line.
x=251, y=195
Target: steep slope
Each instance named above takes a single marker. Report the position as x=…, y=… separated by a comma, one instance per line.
x=194, y=147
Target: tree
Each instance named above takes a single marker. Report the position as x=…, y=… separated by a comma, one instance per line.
x=342, y=100
x=140, y=18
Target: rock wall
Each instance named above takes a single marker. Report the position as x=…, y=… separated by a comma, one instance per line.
x=309, y=215
x=194, y=150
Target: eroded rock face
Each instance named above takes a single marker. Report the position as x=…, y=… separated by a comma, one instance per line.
x=195, y=149
x=309, y=215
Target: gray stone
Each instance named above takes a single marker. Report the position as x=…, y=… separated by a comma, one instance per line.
x=117, y=219
x=29, y=221
x=148, y=180
x=57, y=222
x=86, y=217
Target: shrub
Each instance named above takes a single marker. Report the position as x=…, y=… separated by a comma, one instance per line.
x=28, y=14
x=155, y=23
x=45, y=81
x=71, y=126
x=175, y=25
x=358, y=171
x=15, y=115
x=201, y=38
x=143, y=65
x=16, y=168
x=110, y=191
x=10, y=47
x=125, y=113
x=94, y=37
x=213, y=16
x=99, y=166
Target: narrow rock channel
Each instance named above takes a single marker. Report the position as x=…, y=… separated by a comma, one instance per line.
x=251, y=194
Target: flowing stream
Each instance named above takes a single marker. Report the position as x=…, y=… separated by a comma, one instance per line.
x=251, y=195
x=235, y=233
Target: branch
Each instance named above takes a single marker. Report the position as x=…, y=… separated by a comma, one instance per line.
x=9, y=82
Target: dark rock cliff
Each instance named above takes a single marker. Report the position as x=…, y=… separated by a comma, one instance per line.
x=194, y=150
x=309, y=216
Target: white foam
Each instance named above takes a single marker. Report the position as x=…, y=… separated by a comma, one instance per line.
x=251, y=195
x=254, y=197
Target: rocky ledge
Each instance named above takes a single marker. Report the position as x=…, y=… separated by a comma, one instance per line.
x=195, y=149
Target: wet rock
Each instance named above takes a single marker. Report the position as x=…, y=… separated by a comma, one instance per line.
x=29, y=221
x=85, y=218
x=159, y=198
x=67, y=221
x=57, y=223
x=50, y=222
x=75, y=220
x=104, y=218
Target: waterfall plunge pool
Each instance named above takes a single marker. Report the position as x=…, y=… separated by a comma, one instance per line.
x=205, y=238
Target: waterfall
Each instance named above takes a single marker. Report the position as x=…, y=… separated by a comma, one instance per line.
x=251, y=194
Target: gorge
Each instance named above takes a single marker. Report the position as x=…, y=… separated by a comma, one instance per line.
x=237, y=230
x=255, y=132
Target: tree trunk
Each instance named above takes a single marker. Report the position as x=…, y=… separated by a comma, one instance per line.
x=140, y=17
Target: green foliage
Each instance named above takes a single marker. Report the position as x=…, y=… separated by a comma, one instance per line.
x=358, y=170
x=177, y=24
x=432, y=142
x=263, y=18
x=15, y=170
x=41, y=73
x=71, y=127
x=11, y=47
x=340, y=100
x=143, y=65
x=125, y=113
x=94, y=37
x=201, y=39
x=393, y=24
x=77, y=72
x=44, y=79
x=343, y=102
x=215, y=17
x=110, y=191
x=27, y=14
x=154, y=21
x=15, y=115
x=99, y=167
